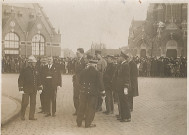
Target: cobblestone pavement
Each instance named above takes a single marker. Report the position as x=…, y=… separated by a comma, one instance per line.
x=161, y=109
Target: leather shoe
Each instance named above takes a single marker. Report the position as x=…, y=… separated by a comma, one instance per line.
x=47, y=115
x=32, y=119
x=41, y=112
x=75, y=114
x=53, y=115
x=125, y=120
x=117, y=116
x=22, y=118
x=91, y=126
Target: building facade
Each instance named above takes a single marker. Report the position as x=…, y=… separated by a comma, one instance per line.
x=163, y=33
x=26, y=30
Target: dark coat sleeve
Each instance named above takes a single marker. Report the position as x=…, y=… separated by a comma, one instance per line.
x=126, y=75
x=21, y=79
x=134, y=79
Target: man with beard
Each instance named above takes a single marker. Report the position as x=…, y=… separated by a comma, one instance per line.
x=29, y=82
x=52, y=82
x=79, y=66
x=91, y=88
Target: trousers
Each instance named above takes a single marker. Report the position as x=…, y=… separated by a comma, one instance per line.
x=25, y=102
x=87, y=108
x=124, y=104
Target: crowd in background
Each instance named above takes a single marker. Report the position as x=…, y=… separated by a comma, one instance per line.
x=16, y=64
x=162, y=67
x=147, y=67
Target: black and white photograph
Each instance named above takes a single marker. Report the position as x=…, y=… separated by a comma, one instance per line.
x=94, y=67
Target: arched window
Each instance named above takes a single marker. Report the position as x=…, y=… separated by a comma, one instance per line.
x=11, y=43
x=38, y=45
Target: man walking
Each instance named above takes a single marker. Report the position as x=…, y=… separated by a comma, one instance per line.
x=52, y=82
x=29, y=82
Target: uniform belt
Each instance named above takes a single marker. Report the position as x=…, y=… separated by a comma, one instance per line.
x=49, y=77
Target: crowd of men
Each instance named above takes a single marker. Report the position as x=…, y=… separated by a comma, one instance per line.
x=162, y=67
x=16, y=64
x=94, y=79
x=148, y=67
x=115, y=78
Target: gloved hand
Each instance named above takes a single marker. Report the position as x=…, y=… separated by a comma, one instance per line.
x=40, y=91
x=21, y=92
x=58, y=87
x=103, y=93
x=125, y=91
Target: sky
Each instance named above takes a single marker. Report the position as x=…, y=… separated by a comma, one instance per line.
x=86, y=21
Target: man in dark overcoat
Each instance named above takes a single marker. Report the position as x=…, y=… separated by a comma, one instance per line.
x=123, y=87
x=79, y=66
x=108, y=80
x=29, y=82
x=91, y=88
x=52, y=81
x=133, y=92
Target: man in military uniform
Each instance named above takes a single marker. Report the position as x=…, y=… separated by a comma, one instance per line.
x=52, y=82
x=79, y=66
x=29, y=82
x=101, y=66
x=123, y=87
x=91, y=88
x=133, y=92
x=108, y=79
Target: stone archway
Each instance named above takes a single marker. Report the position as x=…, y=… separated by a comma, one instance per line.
x=171, y=49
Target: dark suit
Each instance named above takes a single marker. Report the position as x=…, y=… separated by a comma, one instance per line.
x=134, y=82
x=79, y=66
x=91, y=86
x=108, y=78
x=123, y=81
x=51, y=80
x=30, y=80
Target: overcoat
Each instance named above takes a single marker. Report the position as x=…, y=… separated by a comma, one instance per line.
x=133, y=78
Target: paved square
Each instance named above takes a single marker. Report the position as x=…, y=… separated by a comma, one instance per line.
x=160, y=109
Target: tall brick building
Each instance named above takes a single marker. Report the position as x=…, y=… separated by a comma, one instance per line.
x=26, y=30
x=163, y=33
